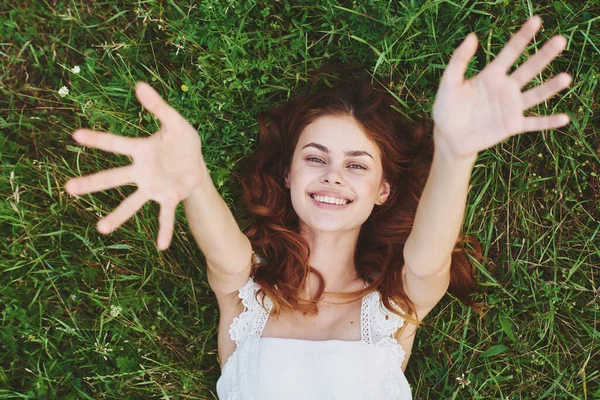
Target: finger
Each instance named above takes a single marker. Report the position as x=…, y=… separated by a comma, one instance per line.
x=100, y=181
x=151, y=100
x=122, y=213
x=543, y=92
x=457, y=66
x=166, y=222
x=534, y=124
x=106, y=141
x=533, y=66
x=516, y=45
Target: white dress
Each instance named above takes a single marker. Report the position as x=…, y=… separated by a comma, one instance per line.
x=290, y=369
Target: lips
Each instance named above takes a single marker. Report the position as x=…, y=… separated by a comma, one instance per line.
x=331, y=194
x=330, y=206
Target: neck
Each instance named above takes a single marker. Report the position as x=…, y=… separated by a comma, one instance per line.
x=332, y=254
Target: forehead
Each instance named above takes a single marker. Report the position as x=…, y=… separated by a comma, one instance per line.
x=338, y=133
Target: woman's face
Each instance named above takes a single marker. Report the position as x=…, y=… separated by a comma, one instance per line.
x=334, y=157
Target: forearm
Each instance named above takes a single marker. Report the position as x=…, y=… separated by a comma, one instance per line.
x=439, y=215
x=216, y=230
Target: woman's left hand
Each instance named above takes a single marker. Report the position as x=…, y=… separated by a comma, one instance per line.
x=473, y=115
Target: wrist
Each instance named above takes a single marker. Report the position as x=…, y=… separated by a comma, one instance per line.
x=448, y=153
x=204, y=184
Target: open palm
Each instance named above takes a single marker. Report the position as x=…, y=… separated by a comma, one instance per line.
x=473, y=115
x=167, y=166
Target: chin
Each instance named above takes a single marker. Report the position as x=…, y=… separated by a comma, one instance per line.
x=330, y=226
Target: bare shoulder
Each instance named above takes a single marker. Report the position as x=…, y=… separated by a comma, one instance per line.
x=406, y=340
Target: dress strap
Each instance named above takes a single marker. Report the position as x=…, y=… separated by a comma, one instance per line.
x=379, y=325
x=250, y=323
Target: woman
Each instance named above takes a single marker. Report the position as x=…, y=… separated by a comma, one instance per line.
x=333, y=188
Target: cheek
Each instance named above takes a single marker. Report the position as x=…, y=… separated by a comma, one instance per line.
x=303, y=175
x=298, y=181
x=367, y=189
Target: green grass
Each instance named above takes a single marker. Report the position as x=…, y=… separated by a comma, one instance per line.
x=88, y=316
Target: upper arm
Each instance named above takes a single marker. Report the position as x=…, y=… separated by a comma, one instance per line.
x=226, y=286
x=231, y=273
x=425, y=291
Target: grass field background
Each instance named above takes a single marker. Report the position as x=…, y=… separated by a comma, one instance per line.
x=88, y=316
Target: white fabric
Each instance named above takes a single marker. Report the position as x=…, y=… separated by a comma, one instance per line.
x=290, y=369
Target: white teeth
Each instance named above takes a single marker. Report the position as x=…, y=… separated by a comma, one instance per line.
x=330, y=200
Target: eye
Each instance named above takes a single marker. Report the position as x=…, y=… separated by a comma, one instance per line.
x=319, y=160
x=314, y=158
x=358, y=165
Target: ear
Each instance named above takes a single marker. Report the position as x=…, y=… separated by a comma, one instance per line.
x=384, y=193
x=286, y=177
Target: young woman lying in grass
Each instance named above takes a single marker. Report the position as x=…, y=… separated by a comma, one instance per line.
x=348, y=202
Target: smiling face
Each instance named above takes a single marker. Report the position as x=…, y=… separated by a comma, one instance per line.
x=334, y=157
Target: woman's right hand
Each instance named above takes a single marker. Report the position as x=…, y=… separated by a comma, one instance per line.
x=167, y=166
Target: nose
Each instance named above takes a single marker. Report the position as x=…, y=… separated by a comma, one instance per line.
x=332, y=176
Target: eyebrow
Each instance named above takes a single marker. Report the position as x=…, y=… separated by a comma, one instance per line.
x=351, y=153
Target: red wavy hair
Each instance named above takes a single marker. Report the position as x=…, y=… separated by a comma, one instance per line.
x=406, y=154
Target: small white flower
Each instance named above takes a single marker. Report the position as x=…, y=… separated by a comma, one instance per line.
x=63, y=91
x=76, y=69
x=115, y=310
x=462, y=381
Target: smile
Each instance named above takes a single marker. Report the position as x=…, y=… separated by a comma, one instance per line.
x=329, y=202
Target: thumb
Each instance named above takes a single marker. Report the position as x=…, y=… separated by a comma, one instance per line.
x=151, y=100
x=457, y=66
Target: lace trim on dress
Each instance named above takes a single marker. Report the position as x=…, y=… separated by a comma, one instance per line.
x=379, y=324
x=245, y=325
x=245, y=330
x=378, y=327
